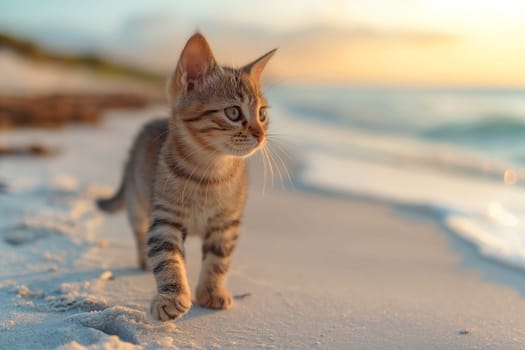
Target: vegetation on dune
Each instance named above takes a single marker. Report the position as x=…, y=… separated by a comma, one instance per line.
x=59, y=109
x=90, y=61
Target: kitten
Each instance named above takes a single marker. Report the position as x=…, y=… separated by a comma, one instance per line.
x=186, y=175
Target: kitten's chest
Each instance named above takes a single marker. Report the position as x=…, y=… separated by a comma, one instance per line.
x=197, y=200
x=208, y=204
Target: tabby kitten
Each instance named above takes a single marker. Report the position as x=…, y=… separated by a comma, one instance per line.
x=186, y=175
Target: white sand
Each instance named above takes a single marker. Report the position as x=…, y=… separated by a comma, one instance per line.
x=312, y=271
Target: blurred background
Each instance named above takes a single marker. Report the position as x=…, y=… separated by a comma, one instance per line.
x=418, y=102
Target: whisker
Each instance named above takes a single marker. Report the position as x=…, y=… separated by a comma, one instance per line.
x=264, y=172
x=285, y=167
x=287, y=135
x=277, y=167
x=261, y=159
x=265, y=152
x=282, y=149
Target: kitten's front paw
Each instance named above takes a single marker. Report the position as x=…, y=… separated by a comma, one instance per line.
x=214, y=298
x=169, y=307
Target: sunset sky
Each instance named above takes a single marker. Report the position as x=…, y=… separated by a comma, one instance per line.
x=404, y=42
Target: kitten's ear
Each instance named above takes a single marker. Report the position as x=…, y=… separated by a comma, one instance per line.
x=256, y=68
x=195, y=63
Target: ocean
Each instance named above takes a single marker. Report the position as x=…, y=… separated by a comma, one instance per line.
x=456, y=154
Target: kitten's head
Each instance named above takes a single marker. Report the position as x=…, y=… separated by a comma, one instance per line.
x=222, y=109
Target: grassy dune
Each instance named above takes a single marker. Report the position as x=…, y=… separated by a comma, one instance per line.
x=33, y=51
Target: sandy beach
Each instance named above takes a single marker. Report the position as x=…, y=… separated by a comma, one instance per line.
x=313, y=270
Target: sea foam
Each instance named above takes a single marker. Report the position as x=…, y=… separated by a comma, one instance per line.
x=476, y=195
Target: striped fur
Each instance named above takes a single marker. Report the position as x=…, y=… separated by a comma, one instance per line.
x=186, y=175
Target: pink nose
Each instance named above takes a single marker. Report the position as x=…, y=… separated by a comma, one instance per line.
x=258, y=134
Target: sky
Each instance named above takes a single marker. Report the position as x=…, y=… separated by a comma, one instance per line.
x=381, y=42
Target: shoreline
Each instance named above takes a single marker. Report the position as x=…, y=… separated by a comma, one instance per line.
x=473, y=257
x=427, y=210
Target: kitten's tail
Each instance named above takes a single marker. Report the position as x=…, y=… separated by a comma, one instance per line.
x=115, y=203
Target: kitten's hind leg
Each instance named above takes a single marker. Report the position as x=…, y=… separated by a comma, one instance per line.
x=140, y=238
x=217, y=249
x=139, y=220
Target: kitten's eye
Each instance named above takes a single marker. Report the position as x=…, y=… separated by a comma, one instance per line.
x=262, y=114
x=233, y=113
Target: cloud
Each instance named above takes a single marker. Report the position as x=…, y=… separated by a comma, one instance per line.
x=406, y=36
x=311, y=52
x=318, y=51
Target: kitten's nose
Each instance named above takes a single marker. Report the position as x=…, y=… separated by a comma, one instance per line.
x=258, y=134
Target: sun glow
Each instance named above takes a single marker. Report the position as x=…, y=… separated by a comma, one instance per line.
x=512, y=8
x=409, y=42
